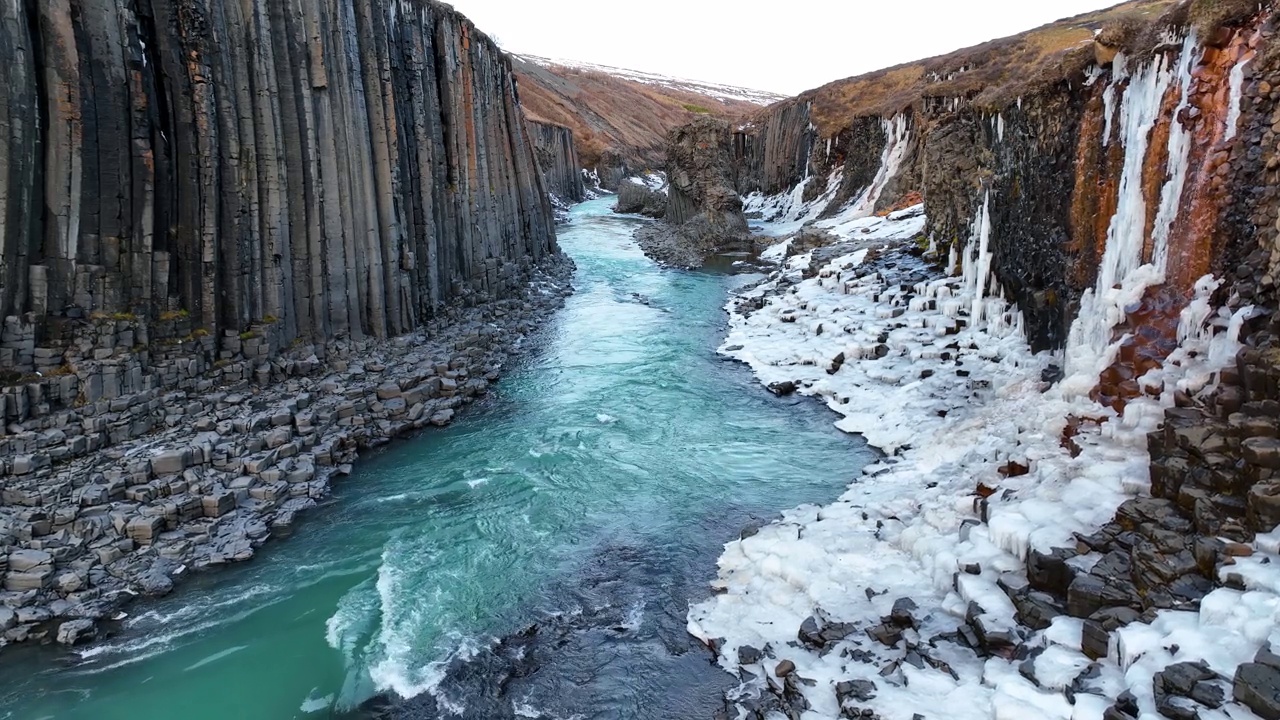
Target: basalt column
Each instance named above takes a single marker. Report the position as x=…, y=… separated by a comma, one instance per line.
x=336, y=168
x=558, y=158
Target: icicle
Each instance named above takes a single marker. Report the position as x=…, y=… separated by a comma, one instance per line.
x=1237, y=97
x=976, y=280
x=1191, y=323
x=1179, y=155
x=1122, y=277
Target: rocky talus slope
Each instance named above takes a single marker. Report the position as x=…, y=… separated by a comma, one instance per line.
x=213, y=218
x=1120, y=194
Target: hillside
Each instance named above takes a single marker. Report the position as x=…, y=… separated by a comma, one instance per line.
x=988, y=72
x=622, y=117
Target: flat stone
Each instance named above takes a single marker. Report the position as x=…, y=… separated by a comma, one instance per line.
x=1262, y=451
x=857, y=690
x=172, y=462
x=25, y=560
x=35, y=579
x=1257, y=687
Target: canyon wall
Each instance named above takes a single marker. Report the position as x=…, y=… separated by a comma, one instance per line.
x=197, y=195
x=620, y=118
x=1126, y=205
x=1163, y=143
x=213, y=218
x=558, y=158
x=337, y=168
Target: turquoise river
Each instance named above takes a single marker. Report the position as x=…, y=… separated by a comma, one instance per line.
x=574, y=513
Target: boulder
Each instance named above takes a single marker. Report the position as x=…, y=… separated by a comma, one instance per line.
x=1257, y=687
x=74, y=632
x=748, y=655
x=1262, y=451
x=637, y=199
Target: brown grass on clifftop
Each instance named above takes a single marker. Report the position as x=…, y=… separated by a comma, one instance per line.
x=1209, y=15
x=613, y=115
x=995, y=73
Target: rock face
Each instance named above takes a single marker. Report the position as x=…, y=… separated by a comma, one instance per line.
x=344, y=168
x=637, y=199
x=1063, y=202
x=558, y=158
x=703, y=211
x=219, y=191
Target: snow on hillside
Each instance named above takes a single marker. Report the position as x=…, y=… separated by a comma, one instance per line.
x=712, y=90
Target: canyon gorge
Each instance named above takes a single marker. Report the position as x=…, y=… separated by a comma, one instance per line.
x=1032, y=284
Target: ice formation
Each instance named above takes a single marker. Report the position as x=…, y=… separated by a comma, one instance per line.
x=937, y=373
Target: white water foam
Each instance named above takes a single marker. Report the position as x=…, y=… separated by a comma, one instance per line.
x=315, y=704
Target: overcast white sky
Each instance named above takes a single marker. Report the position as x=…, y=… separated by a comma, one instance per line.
x=786, y=46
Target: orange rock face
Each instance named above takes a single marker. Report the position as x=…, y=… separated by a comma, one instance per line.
x=1151, y=329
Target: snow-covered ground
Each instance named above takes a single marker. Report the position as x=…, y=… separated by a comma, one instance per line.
x=935, y=371
x=713, y=90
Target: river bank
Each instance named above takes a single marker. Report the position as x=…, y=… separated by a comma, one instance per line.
x=237, y=464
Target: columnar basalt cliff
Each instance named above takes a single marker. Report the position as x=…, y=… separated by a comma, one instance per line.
x=344, y=168
x=558, y=158
x=207, y=185
x=320, y=222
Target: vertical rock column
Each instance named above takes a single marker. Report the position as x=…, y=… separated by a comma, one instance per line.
x=338, y=167
x=558, y=158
